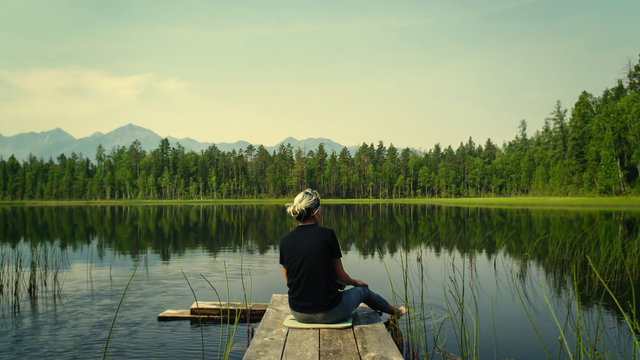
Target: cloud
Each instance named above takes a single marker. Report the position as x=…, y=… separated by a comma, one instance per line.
x=74, y=95
x=58, y=82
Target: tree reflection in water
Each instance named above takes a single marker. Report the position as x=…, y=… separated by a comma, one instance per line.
x=559, y=241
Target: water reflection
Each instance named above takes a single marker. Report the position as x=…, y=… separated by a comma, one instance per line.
x=558, y=240
x=559, y=243
x=370, y=228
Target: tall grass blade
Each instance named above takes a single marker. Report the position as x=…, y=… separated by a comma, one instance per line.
x=113, y=323
x=198, y=308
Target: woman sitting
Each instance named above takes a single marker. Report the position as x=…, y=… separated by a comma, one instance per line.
x=310, y=258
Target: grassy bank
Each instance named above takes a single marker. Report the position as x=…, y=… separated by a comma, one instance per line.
x=552, y=202
x=544, y=202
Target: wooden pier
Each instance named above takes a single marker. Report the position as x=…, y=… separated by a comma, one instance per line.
x=367, y=339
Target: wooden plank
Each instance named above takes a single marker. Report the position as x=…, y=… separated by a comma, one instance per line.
x=222, y=308
x=338, y=344
x=368, y=339
x=302, y=344
x=169, y=315
x=374, y=342
x=216, y=308
x=269, y=341
x=229, y=310
x=172, y=315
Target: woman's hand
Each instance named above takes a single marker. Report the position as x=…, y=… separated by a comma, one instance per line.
x=358, y=282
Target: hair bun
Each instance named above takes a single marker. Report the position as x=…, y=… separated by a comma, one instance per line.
x=297, y=211
x=302, y=203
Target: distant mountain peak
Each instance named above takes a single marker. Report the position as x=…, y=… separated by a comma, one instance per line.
x=130, y=127
x=52, y=143
x=97, y=133
x=55, y=131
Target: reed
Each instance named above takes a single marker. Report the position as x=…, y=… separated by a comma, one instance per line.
x=2, y=271
x=115, y=316
x=583, y=334
x=221, y=318
x=585, y=331
x=17, y=280
x=197, y=307
x=464, y=316
x=230, y=336
x=29, y=270
x=461, y=321
x=228, y=330
x=32, y=287
x=629, y=312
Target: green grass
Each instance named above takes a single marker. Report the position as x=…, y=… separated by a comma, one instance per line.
x=629, y=203
x=145, y=202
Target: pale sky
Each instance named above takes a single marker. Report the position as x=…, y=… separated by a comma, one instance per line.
x=411, y=73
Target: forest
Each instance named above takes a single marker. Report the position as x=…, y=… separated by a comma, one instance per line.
x=592, y=150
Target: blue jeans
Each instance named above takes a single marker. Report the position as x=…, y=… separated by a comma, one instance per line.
x=351, y=299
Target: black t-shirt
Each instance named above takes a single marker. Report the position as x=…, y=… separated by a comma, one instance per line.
x=308, y=253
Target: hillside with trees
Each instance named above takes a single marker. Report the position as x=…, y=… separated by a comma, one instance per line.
x=594, y=149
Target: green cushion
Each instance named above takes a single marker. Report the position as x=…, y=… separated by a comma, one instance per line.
x=290, y=322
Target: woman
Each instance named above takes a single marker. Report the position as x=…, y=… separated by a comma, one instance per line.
x=310, y=258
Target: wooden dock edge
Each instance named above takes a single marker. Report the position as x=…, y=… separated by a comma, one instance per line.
x=370, y=338
x=268, y=341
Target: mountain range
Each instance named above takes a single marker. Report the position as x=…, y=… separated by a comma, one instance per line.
x=52, y=143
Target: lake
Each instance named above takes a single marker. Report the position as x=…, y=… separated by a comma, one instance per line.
x=522, y=277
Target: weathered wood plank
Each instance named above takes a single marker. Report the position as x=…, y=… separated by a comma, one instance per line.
x=224, y=308
x=169, y=315
x=302, y=344
x=338, y=344
x=173, y=315
x=269, y=341
x=374, y=342
x=368, y=339
x=216, y=307
x=216, y=312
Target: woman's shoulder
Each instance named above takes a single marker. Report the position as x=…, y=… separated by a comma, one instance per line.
x=305, y=230
x=326, y=231
x=323, y=229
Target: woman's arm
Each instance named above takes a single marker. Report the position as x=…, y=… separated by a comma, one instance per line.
x=344, y=277
x=284, y=270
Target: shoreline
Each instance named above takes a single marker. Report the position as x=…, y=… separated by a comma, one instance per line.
x=625, y=203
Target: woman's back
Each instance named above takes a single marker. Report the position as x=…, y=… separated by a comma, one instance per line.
x=308, y=254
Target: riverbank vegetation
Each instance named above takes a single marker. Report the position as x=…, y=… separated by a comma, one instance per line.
x=595, y=202
x=593, y=150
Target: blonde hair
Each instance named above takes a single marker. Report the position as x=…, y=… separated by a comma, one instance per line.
x=303, y=203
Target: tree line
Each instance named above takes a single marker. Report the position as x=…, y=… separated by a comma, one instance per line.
x=593, y=150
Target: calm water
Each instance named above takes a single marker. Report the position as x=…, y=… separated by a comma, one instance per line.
x=494, y=254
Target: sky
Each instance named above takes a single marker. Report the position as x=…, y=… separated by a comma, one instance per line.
x=411, y=73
